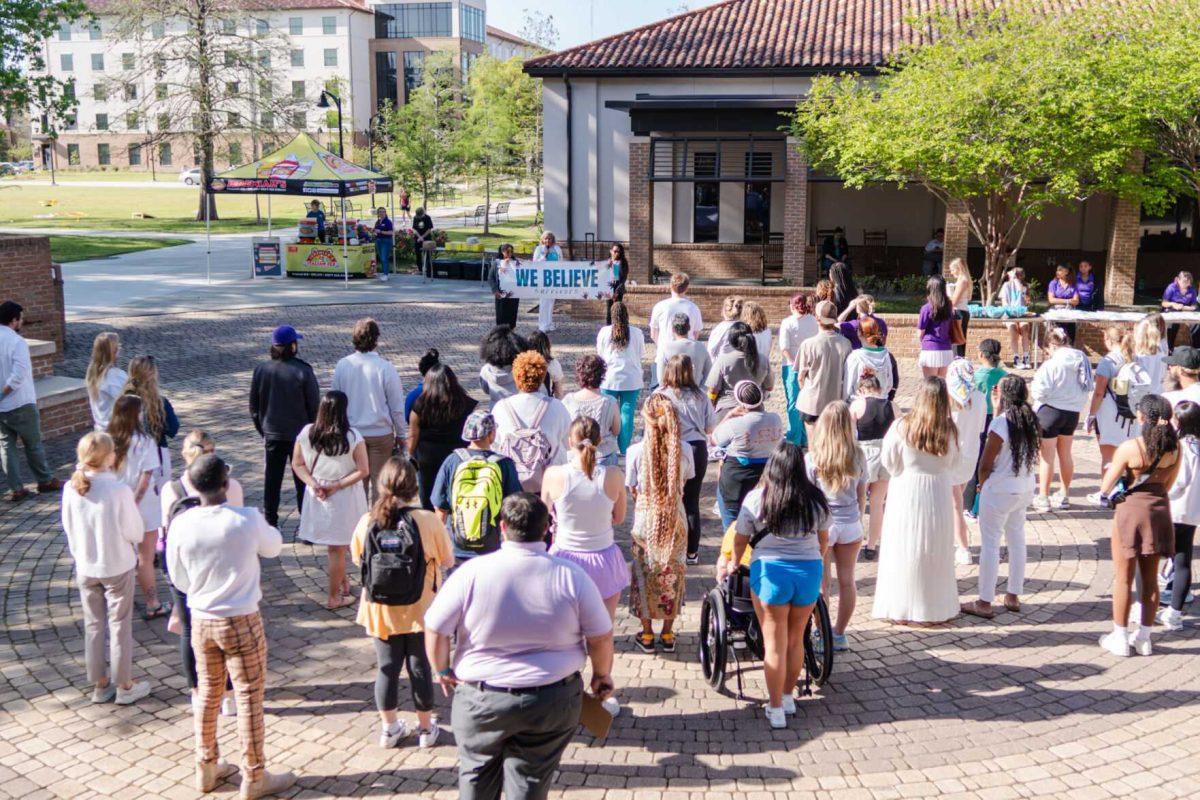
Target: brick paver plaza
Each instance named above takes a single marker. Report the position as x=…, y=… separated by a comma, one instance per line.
x=1021, y=706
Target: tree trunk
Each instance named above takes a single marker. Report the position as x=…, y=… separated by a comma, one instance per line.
x=204, y=109
x=995, y=260
x=487, y=198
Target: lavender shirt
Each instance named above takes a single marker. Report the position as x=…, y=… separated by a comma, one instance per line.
x=521, y=616
x=851, y=329
x=1060, y=292
x=1086, y=292
x=934, y=335
x=1174, y=295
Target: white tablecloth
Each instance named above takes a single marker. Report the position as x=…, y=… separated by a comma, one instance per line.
x=1071, y=315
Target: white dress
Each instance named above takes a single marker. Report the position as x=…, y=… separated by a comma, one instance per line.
x=143, y=457
x=970, y=422
x=916, y=557
x=331, y=521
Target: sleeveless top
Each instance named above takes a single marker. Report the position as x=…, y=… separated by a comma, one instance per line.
x=876, y=420
x=583, y=513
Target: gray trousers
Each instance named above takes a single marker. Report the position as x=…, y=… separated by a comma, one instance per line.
x=108, y=606
x=512, y=741
x=23, y=424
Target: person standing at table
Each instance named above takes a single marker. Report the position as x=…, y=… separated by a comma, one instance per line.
x=1060, y=388
x=315, y=212
x=547, y=250
x=1060, y=294
x=422, y=227
x=19, y=418
x=960, y=297
x=1087, y=290
x=507, y=306
x=1180, y=295
x=385, y=241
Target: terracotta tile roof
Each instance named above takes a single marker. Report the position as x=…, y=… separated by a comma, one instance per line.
x=765, y=36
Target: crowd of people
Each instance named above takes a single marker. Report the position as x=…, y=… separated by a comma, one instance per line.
x=484, y=531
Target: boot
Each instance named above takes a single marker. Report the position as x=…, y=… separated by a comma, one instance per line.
x=210, y=773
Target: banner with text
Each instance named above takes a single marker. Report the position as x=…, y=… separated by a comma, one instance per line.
x=560, y=280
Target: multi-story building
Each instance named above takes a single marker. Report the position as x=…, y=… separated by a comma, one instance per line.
x=366, y=52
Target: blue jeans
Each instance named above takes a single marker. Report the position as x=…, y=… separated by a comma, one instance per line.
x=383, y=254
x=627, y=401
x=791, y=390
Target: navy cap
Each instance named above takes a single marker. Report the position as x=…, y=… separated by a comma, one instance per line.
x=285, y=335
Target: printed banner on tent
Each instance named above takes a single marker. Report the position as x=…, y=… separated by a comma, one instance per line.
x=560, y=280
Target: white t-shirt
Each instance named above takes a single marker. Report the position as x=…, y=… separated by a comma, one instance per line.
x=718, y=339
x=1179, y=395
x=762, y=340
x=633, y=464
x=234, y=495
x=794, y=330
x=1002, y=478
x=520, y=410
x=141, y=457
x=111, y=385
x=1185, y=494
x=624, y=364
x=664, y=312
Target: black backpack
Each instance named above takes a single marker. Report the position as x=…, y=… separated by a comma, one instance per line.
x=183, y=503
x=393, y=563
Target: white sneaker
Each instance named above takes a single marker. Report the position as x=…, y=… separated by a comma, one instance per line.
x=228, y=706
x=612, y=706
x=1040, y=504
x=427, y=739
x=383, y=278
x=195, y=701
x=1098, y=499
x=1135, y=618
x=390, y=737
x=1116, y=643
x=1171, y=619
x=789, y=704
x=1140, y=642
x=776, y=718
x=134, y=693
x=962, y=556
x=1060, y=501
x=104, y=695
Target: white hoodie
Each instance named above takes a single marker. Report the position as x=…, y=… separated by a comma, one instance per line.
x=1064, y=381
x=1185, y=494
x=868, y=358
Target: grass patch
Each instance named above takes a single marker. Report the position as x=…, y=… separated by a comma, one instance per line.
x=65, y=249
x=519, y=230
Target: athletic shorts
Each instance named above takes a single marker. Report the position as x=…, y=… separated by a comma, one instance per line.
x=845, y=534
x=777, y=582
x=1056, y=422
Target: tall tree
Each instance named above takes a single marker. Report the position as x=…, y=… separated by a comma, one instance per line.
x=539, y=27
x=489, y=144
x=25, y=25
x=1005, y=111
x=422, y=134
x=215, y=69
x=527, y=106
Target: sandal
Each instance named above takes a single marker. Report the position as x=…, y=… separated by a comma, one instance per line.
x=162, y=610
x=668, y=642
x=341, y=602
x=976, y=610
x=645, y=641
x=870, y=553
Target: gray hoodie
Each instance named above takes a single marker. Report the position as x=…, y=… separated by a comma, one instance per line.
x=1063, y=381
x=497, y=382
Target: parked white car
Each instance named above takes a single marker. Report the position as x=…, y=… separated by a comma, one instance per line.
x=190, y=176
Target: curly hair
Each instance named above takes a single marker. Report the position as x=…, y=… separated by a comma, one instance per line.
x=501, y=346
x=658, y=477
x=589, y=371
x=143, y=382
x=529, y=371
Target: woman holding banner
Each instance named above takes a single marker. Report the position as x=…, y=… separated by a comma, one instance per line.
x=506, y=305
x=548, y=250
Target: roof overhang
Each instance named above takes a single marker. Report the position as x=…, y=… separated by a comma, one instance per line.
x=706, y=113
x=538, y=71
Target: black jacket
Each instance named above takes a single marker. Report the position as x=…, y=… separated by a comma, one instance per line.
x=283, y=398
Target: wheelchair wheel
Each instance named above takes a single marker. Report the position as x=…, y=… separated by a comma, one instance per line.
x=818, y=644
x=714, y=638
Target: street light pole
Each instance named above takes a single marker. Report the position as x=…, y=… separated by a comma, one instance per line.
x=326, y=96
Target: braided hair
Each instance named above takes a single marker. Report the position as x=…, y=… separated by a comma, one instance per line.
x=1024, y=432
x=658, y=476
x=1158, y=434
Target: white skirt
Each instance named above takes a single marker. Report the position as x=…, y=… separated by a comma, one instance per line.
x=935, y=359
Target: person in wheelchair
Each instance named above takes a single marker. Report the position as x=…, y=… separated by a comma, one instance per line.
x=785, y=519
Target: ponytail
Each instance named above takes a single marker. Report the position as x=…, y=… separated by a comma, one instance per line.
x=1158, y=434
x=585, y=433
x=742, y=339
x=92, y=453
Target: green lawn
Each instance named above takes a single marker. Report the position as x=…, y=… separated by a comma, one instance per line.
x=167, y=175
x=519, y=230
x=64, y=249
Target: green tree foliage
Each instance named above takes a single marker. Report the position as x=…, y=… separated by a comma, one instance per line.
x=492, y=135
x=422, y=135
x=1006, y=110
x=25, y=25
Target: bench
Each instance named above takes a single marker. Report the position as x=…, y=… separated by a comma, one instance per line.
x=478, y=216
x=502, y=209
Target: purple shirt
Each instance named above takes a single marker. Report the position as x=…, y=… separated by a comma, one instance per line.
x=934, y=335
x=1060, y=292
x=1085, y=291
x=521, y=616
x=851, y=329
x=1174, y=295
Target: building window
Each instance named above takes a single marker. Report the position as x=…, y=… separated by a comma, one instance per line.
x=94, y=32
x=235, y=153
x=297, y=58
x=261, y=27
x=329, y=25
x=99, y=92
x=131, y=92
x=404, y=21
x=103, y=155
x=706, y=200
x=295, y=26
x=69, y=90
x=126, y=61
x=228, y=26
x=67, y=62
x=231, y=89
x=160, y=65
x=298, y=90
x=266, y=120
x=471, y=23
x=160, y=91
x=299, y=121
x=232, y=120
x=64, y=32
x=157, y=31
x=135, y=155
x=468, y=60
x=70, y=121
x=230, y=58
x=331, y=56
x=385, y=78
x=264, y=59
x=164, y=122
x=73, y=155
x=131, y=120
x=756, y=224
x=164, y=154
x=102, y=122
x=414, y=62
x=97, y=62
x=264, y=88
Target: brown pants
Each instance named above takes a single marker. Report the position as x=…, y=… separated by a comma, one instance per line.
x=379, y=450
x=108, y=604
x=236, y=644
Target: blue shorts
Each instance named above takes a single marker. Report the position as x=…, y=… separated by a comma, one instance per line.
x=786, y=583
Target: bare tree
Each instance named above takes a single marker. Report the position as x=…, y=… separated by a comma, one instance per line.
x=539, y=27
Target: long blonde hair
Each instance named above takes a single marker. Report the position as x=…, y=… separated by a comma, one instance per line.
x=1119, y=339
x=1146, y=337
x=143, y=381
x=834, y=453
x=104, y=357
x=928, y=427
x=584, y=436
x=658, y=477
x=196, y=444
x=92, y=453
x=755, y=315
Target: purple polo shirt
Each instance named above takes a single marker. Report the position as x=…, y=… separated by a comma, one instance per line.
x=1174, y=295
x=852, y=328
x=521, y=616
x=1085, y=291
x=934, y=335
x=1060, y=292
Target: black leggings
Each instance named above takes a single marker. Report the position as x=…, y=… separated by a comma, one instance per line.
x=398, y=650
x=1181, y=582
x=735, y=482
x=186, y=655
x=964, y=319
x=691, y=495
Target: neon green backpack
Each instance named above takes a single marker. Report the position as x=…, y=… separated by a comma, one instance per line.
x=475, y=497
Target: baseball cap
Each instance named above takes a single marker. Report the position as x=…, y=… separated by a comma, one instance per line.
x=285, y=335
x=826, y=313
x=1186, y=357
x=479, y=425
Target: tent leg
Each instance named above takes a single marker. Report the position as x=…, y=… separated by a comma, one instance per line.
x=345, y=255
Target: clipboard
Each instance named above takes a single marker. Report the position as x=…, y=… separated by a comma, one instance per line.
x=595, y=717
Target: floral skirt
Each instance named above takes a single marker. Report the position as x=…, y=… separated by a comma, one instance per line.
x=656, y=592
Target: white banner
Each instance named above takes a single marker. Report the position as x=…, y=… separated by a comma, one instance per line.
x=560, y=280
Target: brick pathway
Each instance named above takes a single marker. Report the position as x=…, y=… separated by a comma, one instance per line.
x=1021, y=706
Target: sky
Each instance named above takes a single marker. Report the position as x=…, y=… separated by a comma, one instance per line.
x=580, y=21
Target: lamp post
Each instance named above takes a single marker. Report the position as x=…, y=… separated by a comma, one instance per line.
x=326, y=96
x=376, y=119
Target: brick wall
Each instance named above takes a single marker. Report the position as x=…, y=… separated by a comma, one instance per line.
x=1121, y=270
x=66, y=419
x=795, y=216
x=28, y=277
x=641, y=211
x=958, y=232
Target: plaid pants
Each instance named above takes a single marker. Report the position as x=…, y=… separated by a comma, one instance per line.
x=236, y=644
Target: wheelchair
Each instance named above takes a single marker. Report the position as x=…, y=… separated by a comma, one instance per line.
x=730, y=628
